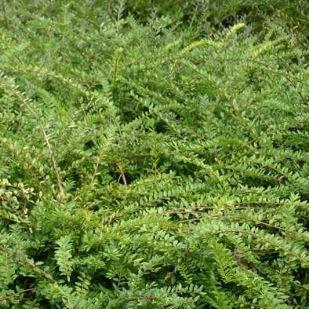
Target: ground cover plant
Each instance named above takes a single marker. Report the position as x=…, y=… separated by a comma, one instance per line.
x=154, y=156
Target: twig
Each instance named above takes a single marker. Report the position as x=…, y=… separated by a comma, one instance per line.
x=122, y=175
x=25, y=102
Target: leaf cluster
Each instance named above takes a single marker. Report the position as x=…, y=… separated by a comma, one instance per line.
x=144, y=164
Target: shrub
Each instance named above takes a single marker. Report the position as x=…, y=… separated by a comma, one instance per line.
x=141, y=168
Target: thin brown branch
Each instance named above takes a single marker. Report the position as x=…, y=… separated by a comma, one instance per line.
x=25, y=101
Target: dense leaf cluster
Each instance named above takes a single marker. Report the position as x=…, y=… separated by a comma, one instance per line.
x=153, y=156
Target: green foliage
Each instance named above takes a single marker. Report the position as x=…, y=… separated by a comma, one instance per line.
x=146, y=165
x=207, y=16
